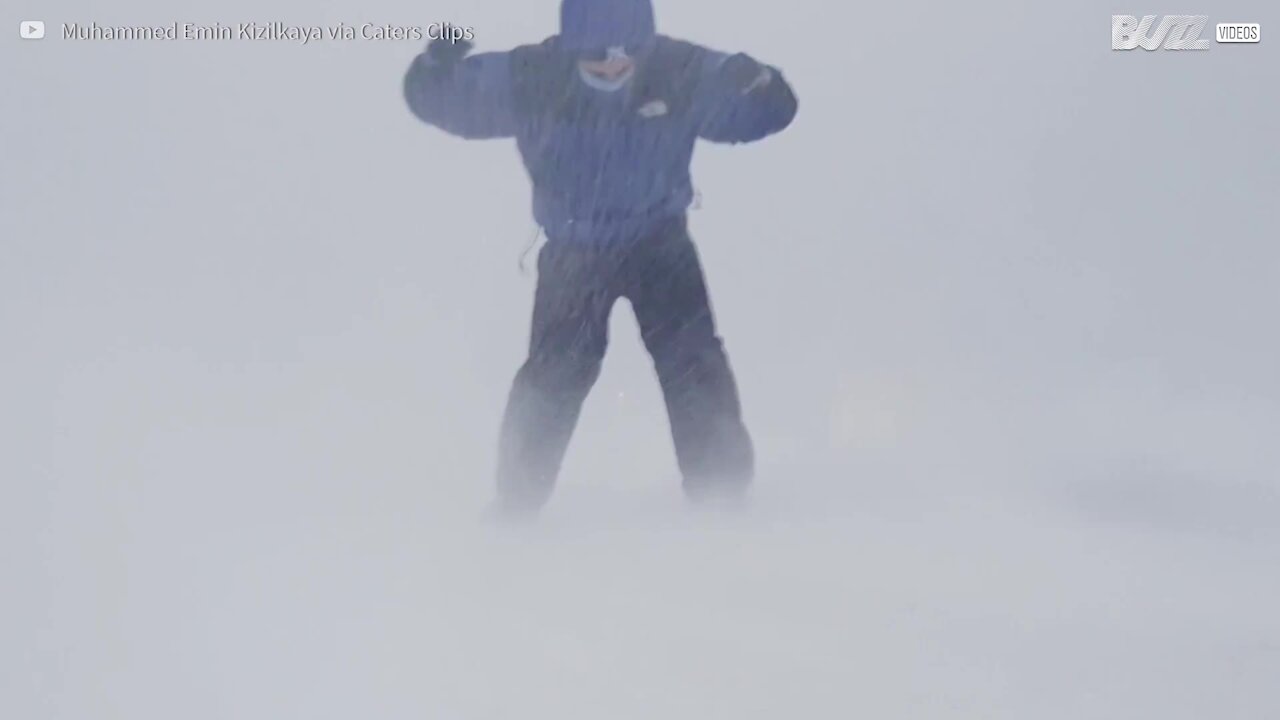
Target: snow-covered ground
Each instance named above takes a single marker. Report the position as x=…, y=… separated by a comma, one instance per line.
x=622, y=603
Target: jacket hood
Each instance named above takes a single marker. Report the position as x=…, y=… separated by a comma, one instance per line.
x=598, y=24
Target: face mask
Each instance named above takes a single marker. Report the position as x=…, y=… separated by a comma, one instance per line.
x=610, y=73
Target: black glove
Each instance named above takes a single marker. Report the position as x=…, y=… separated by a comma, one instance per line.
x=444, y=51
x=742, y=73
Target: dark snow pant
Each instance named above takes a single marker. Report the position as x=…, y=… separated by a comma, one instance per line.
x=660, y=274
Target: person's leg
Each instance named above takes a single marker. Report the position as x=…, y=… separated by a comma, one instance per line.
x=669, y=294
x=567, y=343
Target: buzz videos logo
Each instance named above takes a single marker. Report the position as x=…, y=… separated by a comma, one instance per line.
x=1175, y=32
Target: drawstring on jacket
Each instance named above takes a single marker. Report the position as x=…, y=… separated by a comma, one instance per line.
x=524, y=254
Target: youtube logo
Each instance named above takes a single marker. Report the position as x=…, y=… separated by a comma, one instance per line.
x=31, y=29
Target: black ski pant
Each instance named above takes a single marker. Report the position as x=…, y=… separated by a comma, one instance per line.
x=661, y=275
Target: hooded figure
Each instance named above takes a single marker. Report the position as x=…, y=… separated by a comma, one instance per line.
x=605, y=116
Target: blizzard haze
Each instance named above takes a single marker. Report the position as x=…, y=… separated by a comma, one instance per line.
x=1001, y=303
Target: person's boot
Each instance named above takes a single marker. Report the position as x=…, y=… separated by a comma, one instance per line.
x=721, y=493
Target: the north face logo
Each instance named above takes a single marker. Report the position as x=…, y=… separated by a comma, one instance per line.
x=653, y=108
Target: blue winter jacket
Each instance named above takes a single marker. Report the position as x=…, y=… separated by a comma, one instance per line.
x=604, y=165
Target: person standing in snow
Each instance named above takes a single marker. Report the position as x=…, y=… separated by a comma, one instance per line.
x=605, y=116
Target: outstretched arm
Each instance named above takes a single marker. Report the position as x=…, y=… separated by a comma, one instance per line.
x=742, y=99
x=465, y=96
